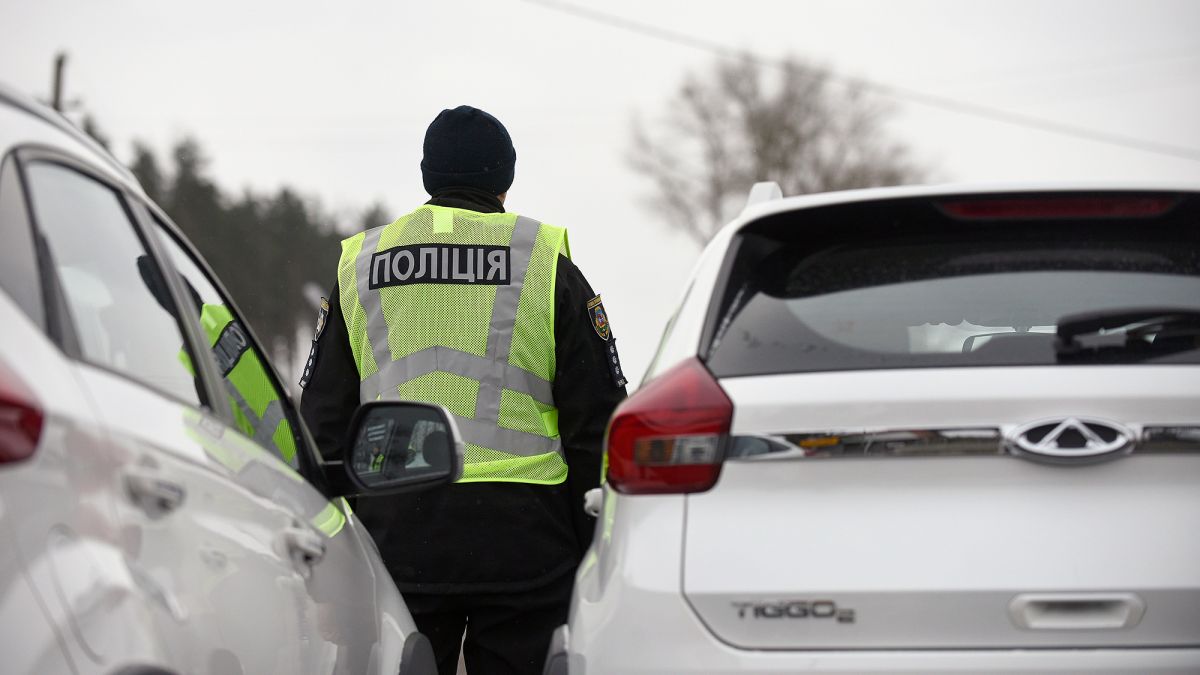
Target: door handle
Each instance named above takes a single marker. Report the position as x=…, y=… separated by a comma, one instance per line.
x=305, y=547
x=1076, y=611
x=152, y=493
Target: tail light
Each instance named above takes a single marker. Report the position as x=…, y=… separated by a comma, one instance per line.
x=1050, y=207
x=670, y=436
x=20, y=418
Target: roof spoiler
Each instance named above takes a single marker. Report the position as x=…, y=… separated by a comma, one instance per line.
x=763, y=191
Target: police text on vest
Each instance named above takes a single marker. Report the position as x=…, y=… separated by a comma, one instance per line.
x=440, y=264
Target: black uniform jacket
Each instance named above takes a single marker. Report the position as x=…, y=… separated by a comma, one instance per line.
x=491, y=536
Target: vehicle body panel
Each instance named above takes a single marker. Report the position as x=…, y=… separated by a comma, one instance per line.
x=961, y=397
x=916, y=537
x=211, y=558
x=59, y=515
x=910, y=545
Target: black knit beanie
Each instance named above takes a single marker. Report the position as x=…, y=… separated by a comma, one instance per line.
x=467, y=147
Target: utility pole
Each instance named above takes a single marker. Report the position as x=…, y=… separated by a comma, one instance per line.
x=60, y=64
x=59, y=103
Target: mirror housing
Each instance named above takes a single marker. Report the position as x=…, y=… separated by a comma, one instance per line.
x=398, y=446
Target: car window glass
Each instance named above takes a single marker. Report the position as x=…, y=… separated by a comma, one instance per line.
x=114, y=293
x=257, y=404
x=960, y=303
x=18, y=260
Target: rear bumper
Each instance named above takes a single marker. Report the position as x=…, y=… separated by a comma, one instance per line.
x=630, y=630
x=1135, y=661
x=709, y=657
x=660, y=635
x=629, y=616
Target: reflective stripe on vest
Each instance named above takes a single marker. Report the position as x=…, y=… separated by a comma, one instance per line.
x=493, y=371
x=264, y=426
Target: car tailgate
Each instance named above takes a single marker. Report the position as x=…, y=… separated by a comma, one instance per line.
x=951, y=550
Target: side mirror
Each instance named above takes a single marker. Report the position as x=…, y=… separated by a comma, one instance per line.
x=397, y=446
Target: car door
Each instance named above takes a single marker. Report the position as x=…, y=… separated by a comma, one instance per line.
x=343, y=630
x=211, y=555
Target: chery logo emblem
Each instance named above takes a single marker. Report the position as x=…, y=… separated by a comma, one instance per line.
x=1071, y=439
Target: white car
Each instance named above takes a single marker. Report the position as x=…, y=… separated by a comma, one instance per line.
x=162, y=509
x=918, y=430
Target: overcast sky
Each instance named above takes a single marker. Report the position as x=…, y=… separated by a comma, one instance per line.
x=333, y=98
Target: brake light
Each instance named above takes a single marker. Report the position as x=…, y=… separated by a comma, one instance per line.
x=1019, y=208
x=670, y=436
x=20, y=418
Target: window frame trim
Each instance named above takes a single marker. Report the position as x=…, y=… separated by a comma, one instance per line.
x=61, y=326
x=10, y=161
x=58, y=324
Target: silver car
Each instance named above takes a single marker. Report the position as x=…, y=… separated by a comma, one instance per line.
x=162, y=508
x=945, y=429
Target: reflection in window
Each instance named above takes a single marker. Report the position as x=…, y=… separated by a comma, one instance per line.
x=256, y=403
x=114, y=293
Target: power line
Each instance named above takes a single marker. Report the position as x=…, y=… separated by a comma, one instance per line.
x=894, y=91
x=1081, y=70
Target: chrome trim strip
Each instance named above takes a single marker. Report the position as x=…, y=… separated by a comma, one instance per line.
x=974, y=441
x=948, y=442
x=1169, y=440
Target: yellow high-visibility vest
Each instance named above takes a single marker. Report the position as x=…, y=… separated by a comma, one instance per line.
x=455, y=307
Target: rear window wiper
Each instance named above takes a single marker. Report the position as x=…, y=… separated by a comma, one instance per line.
x=1135, y=331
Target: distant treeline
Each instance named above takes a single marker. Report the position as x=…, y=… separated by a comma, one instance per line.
x=265, y=247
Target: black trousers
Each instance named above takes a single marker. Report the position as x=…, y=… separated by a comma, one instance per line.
x=506, y=633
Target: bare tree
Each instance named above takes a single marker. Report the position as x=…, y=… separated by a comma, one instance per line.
x=732, y=127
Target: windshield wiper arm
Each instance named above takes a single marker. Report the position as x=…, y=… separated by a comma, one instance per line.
x=1139, y=323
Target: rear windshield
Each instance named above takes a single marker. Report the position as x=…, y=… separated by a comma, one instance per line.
x=939, y=293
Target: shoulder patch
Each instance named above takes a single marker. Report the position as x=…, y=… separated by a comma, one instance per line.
x=322, y=318
x=599, y=318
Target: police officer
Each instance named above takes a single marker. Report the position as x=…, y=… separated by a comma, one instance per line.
x=482, y=311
